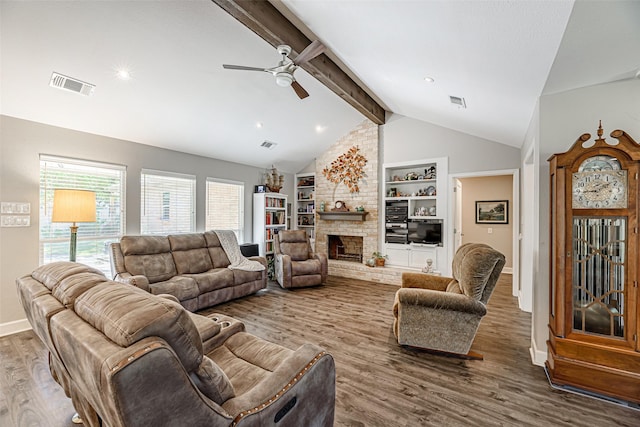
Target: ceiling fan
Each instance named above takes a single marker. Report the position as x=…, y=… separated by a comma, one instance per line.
x=283, y=72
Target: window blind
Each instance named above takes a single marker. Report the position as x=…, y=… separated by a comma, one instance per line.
x=225, y=206
x=167, y=202
x=108, y=182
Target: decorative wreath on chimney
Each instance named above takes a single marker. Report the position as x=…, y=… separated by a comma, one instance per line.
x=348, y=169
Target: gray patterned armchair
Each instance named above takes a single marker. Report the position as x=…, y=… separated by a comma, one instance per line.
x=443, y=313
x=296, y=265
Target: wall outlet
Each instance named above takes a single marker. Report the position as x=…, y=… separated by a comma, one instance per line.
x=490, y=230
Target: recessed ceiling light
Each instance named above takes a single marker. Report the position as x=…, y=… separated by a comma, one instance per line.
x=429, y=79
x=259, y=125
x=320, y=128
x=123, y=74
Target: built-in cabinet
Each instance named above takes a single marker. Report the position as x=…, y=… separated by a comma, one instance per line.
x=415, y=208
x=269, y=217
x=305, y=204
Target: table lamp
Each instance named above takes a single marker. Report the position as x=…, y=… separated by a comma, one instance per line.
x=73, y=206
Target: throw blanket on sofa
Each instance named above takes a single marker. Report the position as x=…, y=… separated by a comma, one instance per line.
x=238, y=261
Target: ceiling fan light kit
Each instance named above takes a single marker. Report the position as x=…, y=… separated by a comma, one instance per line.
x=283, y=72
x=284, y=79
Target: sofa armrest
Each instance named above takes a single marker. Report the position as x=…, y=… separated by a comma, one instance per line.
x=425, y=281
x=302, y=387
x=262, y=260
x=138, y=281
x=440, y=301
x=324, y=264
x=283, y=269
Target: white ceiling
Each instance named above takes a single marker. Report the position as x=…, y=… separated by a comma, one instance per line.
x=497, y=54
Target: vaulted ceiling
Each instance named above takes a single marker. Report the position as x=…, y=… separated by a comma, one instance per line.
x=498, y=55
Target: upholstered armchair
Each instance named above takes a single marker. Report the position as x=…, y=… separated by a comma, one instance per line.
x=295, y=263
x=443, y=313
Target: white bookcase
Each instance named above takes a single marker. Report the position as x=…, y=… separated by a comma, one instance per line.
x=421, y=185
x=269, y=217
x=304, y=213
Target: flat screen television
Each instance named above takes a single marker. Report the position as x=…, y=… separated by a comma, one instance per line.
x=425, y=231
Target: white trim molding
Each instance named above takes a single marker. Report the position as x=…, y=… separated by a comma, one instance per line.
x=538, y=357
x=14, y=327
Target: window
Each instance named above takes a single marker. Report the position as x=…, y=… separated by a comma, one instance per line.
x=225, y=206
x=167, y=202
x=108, y=181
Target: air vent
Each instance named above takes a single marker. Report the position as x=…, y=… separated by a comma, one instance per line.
x=73, y=85
x=268, y=145
x=458, y=102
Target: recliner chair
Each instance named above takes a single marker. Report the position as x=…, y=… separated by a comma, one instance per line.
x=296, y=265
x=128, y=358
x=443, y=313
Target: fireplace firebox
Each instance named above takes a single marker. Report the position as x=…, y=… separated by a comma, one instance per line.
x=345, y=248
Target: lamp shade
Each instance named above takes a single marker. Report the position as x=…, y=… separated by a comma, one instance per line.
x=74, y=206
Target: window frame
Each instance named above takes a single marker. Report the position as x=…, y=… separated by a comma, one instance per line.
x=241, y=207
x=145, y=227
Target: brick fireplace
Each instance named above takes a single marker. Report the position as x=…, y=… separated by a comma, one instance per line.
x=365, y=232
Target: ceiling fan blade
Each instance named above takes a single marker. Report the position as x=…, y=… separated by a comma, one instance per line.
x=242, y=67
x=310, y=52
x=302, y=94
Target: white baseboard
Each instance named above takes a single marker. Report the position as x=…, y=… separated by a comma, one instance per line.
x=507, y=270
x=14, y=327
x=538, y=357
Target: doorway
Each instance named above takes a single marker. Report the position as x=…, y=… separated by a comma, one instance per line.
x=502, y=186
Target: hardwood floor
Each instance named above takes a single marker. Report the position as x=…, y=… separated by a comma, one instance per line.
x=378, y=382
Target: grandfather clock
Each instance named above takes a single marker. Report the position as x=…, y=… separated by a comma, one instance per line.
x=594, y=304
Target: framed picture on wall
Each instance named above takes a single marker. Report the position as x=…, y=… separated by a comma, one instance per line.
x=492, y=212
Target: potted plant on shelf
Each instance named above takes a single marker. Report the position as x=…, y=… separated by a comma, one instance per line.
x=379, y=258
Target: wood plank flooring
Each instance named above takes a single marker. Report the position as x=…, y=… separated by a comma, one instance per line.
x=378, y=382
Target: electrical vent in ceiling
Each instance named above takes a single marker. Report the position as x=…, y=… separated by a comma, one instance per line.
x=458, y=102
x=73, y=85
x=268, y=145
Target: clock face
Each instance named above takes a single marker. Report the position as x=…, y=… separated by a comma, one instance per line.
x=339, y=204
x=599, y=163
x=601, y=189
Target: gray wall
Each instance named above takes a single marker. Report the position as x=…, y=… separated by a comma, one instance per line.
x=561, y=119
x=406, y=139
x=21, y=143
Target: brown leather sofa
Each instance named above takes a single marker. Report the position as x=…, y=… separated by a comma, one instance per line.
x=130, y=358
x=194, y=268
x=295, y=264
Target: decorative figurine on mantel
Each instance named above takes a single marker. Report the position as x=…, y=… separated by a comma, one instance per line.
x=273, y=180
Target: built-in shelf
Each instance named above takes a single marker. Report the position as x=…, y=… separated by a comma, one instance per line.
x=343, y=216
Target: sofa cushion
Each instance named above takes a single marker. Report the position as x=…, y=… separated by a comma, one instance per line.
x=181, y=287
x=126, y=314
x=218, y=255
x=73, y=286
x=144, y=245
x=53, y=273
x=156, y=267
x=190, y=253
x=211, y=280
x=243, y=276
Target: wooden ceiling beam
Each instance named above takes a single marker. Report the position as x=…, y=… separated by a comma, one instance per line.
x=265, y=20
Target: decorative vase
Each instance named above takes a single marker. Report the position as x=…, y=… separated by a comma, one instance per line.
x=379, y=262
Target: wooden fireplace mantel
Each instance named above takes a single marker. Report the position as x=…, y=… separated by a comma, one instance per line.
x=343, y=216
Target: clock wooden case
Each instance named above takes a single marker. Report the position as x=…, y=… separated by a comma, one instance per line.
x=594, y=266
